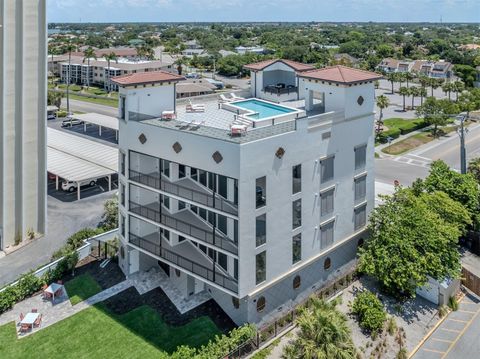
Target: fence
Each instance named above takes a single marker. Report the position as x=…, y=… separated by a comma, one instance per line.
x=83, y=252
x=274, y=329
x=471, y=281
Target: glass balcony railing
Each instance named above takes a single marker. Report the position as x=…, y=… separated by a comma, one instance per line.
x=170, y=257
x=205, y=198
x=206, y=234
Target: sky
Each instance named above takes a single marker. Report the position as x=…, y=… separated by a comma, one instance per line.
x=263, y=10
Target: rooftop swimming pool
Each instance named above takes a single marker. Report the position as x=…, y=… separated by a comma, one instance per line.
x=262, y=109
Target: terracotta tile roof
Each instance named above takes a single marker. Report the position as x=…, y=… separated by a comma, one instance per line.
x=297, y=66
x=146, y=77
x=340, y=74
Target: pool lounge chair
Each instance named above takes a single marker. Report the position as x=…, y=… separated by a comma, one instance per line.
x=235, y=97
x=224, y=99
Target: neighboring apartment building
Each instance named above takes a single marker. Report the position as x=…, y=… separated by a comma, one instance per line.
x=256, y=221
x=436, y=69
x=99, y=73
x=23, y=102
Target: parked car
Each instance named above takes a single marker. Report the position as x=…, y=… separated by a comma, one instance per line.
x=71, y=186
x=51, y=116
x=192, y=75
x=72, y=122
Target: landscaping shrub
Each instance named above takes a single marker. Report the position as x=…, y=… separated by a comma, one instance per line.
x=370, y=312
x=75, y=241
x=75, y=88
x=453, y=303
x=393, y=133
x=61, y=114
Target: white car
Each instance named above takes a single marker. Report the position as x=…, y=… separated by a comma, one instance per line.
x=71, y=186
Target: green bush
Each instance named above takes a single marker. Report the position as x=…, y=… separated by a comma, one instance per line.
x=405, y=126
x=61, y=114
x=393, y=133
x=75, y=241
x=453, y=303
x=75, y=88
x=370, y=312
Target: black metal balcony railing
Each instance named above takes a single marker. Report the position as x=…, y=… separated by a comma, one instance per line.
x=277, y=90
x=170, y=221
x=209, y=200
x=169, y=256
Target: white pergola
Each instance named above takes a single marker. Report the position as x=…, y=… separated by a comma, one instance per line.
x=99, y=120
x=79, y=159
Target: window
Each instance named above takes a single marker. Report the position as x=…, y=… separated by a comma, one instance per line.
x=122, y=163
x=261, y=191
x=261, y=267
x=181, y=171
x=261, y=230
x=194, y=174
x=327, y=169
x=260, y=304
x=222, y=260
x=122, y=107
x=360, y=188
x=222, y=186
x=360, y=217
x=327, y=264
x=296, y=179
x=326, y=234
x=297, y=281
x=360, y=156
x=166, y=168
x=297, y=248
x=297, y=213
x=181, y=205
x=235, y=302
x=122, y=252
x=122, y=224
x=327, y=202
x=122, y=194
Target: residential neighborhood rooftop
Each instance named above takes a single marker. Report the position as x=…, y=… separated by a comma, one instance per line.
x=297, y=66
x=340, y=74
x=146, y=78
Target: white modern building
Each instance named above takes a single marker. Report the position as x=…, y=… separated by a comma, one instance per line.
x=254, y=203
x=23, y=111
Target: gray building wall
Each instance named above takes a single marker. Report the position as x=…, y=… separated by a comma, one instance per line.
x=23, y=93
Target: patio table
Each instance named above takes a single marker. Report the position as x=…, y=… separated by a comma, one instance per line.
x=53, y=288
x=29, y=319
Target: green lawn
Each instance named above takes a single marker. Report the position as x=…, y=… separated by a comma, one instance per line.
x=82, y=287
x=97, y=333
x=101, y=101
x=404, y=125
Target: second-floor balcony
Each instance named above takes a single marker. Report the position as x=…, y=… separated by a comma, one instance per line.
x=186, y=223
x=185, y=188
x=184, y=256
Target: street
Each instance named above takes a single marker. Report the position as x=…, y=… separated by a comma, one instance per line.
x=86, y=107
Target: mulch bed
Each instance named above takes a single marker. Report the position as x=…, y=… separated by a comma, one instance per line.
x=129, y=299
x=106, y=277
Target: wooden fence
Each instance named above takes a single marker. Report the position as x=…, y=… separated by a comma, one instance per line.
x=471, y=281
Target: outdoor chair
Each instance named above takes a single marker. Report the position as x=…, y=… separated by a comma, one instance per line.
x=34, y=310
x=37, y=322
x=59, y=293
x=21, y=318
x=235, y=97
x=24, y=328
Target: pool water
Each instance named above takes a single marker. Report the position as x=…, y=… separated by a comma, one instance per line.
x=262, y=109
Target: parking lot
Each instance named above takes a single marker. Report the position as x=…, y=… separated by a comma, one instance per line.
x=87, y=191
x=457, y=336
x=108, y=136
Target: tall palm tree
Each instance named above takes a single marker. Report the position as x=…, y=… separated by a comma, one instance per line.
x=180, y=62
x=109, y=57
x=69, y=47
x=145, y=51
x=414, y=91
x=88, y=54
x=408, y=77
x=422, y=92
x=392, y=77
x=434, y=84
x=458, y=87
x=448, y=87
x=382, y=102
x=404, y=91
x=324, y=333
x=401, y=76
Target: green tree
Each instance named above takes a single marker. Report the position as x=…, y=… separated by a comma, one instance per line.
x=88, y=54
x=109, y=57
x=448, y=87
x=414, y=92
x=474, y=168
x=436, y=112
x=392, y=77
x=404, y=92
x=466, y=72
x=110, y=214
x=382, y=103
x=54, y=98
x=323, y=334
x=370, y=312
x=422, y=92
x=179, y=63
x=434, y=84
x=409, y=77
x=409, y=243
x=457, y=87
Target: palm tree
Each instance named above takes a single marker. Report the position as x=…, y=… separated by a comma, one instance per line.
x=434, y=83
x=69, y=47
x=180, y=62
x=392, y=77
x=414, y=91
x=323, y=333
x=382, y=102
x=88, y=54
x=404, y=91
x=458, y=87
x=408, y=77
x=400, y=78
x=109, y=57
x=422, y=92
x=448, y=87
x=145, y=51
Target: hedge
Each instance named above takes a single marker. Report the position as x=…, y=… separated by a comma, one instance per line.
x=76, y=240
x=370, y=312
x=29, y=283
x=393, y=133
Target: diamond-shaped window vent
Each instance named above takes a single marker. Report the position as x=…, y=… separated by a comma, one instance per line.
x=217, y=157
x=360, y=100
x=142, y=138
x=177, y=147
x=280, y=152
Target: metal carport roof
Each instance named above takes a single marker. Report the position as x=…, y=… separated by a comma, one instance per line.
x=99, y=120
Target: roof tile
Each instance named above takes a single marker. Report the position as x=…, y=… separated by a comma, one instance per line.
x=340, y=74
x=297, y=66
x=146, y=77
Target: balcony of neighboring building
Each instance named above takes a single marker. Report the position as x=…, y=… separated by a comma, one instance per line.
x=197, y=224
x=185, y=256
x=195, y=187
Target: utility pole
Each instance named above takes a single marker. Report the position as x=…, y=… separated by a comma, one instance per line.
x=463, y=152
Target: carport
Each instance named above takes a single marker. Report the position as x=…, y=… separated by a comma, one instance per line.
x=99, y=120
x=79, y=159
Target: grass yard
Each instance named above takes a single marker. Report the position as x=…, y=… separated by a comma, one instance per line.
x=404, y=125
x=82, y=287
x=408, y=143
x=112, y=102
x=97, y=333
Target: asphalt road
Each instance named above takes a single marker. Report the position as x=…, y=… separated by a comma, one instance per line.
x=82, y=106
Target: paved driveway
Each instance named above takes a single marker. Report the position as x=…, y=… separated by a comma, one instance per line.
x=457, y=336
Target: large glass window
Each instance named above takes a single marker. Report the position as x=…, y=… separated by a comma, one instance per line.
x=297, y=213
x=360, y=217
x=327, y=169
x=122, y=225
x=360, y=188
x=123, y=158
x=261, y=192
x=261, y=230
x=222, y=260
x=122, y=194
x=165, y=167
x=327, y=200
x=360, y=156
x=297, y=248
x=261, y=267
x=222, y=186
x=181, y=171
x=296, y=179
x=326, y=234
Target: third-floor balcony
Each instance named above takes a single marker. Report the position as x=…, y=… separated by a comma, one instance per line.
x=185, y=188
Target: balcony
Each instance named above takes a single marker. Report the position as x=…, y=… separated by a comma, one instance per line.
x=187, y=223
x=153, y=244
x=185, y=188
